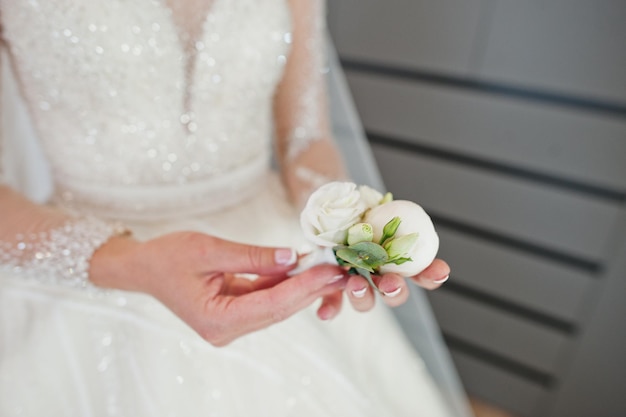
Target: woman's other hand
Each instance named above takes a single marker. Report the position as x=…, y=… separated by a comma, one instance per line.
x=394, y=289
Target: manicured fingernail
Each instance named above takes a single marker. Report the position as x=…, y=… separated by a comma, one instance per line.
x=359, y=293
x=442, y=280
x=285, y=256
x=393, y=293
x=336, y=278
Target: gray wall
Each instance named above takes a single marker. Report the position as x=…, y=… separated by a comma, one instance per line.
x=506, y=120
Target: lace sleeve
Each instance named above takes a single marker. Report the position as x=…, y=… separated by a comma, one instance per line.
x=42, y=243
x=38, y=241
x=305, y=148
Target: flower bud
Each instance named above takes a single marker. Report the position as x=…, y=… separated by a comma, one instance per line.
x=401, y=247
x=414, y=220
x=360, y=232
x=387, y=198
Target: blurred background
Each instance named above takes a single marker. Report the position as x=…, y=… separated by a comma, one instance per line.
x=506, y=120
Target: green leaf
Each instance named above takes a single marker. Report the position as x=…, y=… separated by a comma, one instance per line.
x=386, y=198
x=366, y=274
x=399, y=261
x=390, y=229
x=400, y=246
x=371, y=253
x=362, y=258
x=353, y=258
x=341, y=262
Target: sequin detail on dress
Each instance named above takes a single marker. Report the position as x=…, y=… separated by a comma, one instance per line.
x=137, y=119
x=58, y=256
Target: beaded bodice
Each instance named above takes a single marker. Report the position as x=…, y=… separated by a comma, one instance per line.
x=126, y=107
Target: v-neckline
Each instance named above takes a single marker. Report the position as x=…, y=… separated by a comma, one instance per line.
x=188, y=41
x=179, y=19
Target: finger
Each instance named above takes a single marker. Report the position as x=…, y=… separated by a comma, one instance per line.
x=236, y=285
x=240, y=284
x=227, y=256
x=331, y=306
x=432, y=277
x=268, y=281
x=394, y=289
x=261, y=308
x=360, y=293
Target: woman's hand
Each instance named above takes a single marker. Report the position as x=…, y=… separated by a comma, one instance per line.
x=195, y=275
x=394, y=289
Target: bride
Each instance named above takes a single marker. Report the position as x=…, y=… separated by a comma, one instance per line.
x=156, y=118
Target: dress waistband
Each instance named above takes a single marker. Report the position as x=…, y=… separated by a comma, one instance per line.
x=139, y=203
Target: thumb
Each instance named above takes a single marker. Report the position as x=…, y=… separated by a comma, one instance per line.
x=236, y=257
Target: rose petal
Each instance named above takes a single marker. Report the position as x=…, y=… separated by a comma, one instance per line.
x=330, y=211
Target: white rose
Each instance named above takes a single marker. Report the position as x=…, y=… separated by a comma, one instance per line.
x=330, y=212
x=370, y=197
x=413, y=220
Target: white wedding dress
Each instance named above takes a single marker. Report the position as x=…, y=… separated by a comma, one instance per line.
x=137, y=129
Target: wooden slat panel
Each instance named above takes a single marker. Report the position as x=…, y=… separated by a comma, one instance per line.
x=597, y=377
x=428, y=35
x=573, y=46
x=571, y=144
x=524, y=279
x=497, y=386
x=507, y=335
x=546, y=216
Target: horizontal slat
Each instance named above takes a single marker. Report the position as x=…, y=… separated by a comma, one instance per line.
x=434, y=35
x=570, y=144
x=574, y=46
x=524, y=279
x=504, y=334
x=597, y=374
x=497, y=386
x=557, y=219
